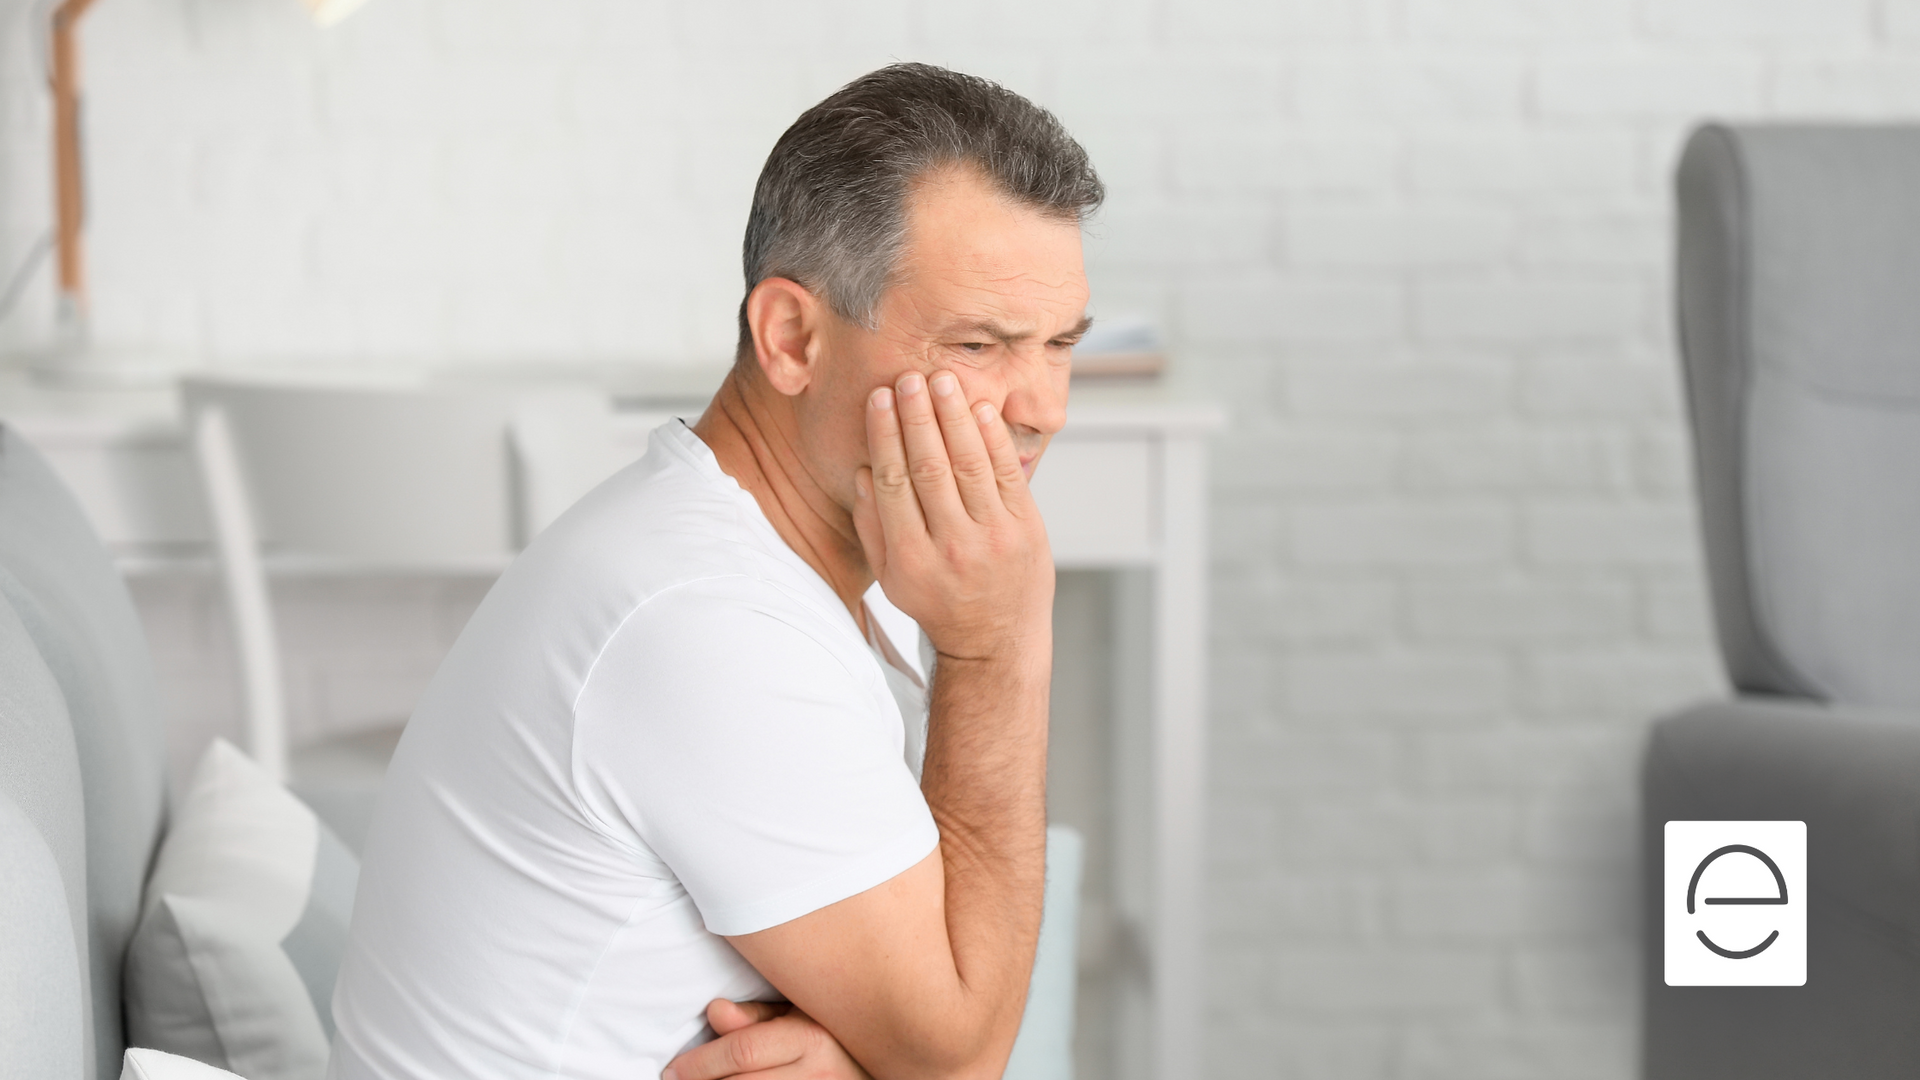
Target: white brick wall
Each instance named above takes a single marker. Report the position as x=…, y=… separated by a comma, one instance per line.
x=1417, y=246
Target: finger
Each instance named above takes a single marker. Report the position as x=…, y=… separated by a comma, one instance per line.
x=894, y=499
x=766, y=1045
x=798, y=1070
x=966, y=450
x=927, y=460
x=866, y=523
x=820, y=1055
x=803, y=1070
x=726, y=1017
x=1008, y=476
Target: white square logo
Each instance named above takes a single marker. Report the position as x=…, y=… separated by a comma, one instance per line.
x=1735, y=901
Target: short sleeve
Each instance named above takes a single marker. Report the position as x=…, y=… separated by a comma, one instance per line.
x=755, y=756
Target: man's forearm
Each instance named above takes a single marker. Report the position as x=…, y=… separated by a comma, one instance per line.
x=985, y=781
x=925, y=974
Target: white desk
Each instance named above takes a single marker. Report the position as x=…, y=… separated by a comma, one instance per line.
x=1124, y=487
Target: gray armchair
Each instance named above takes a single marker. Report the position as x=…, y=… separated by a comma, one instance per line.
x=82, y=779
x=1798, y=282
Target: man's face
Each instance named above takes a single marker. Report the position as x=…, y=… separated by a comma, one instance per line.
x=987, y=289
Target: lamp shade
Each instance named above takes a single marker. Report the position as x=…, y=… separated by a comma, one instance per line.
x=328, y=12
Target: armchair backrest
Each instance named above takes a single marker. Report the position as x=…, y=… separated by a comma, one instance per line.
x=45, y=1021
x=1798, y=289
x=57, y=581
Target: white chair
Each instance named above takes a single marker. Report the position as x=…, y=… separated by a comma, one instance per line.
x=319, y=479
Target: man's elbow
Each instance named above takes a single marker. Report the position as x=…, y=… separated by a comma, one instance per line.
x=988, y=1064
x=958, y=1048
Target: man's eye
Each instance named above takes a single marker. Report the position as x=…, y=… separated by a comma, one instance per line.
x=974, y=346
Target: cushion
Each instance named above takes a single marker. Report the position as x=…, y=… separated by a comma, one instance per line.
x=57, y=576
x=243, y=927
x=155, y=1065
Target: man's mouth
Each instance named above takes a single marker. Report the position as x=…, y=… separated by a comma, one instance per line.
x=1029, y=445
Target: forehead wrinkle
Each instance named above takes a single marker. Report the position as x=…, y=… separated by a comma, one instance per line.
x=1007, y=273
x=990, y=303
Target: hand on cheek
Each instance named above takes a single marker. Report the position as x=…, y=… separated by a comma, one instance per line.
x=947, y=522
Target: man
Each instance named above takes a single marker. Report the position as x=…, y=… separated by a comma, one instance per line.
x=666, y=767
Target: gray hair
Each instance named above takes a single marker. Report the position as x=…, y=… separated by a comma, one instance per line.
x=829, y=211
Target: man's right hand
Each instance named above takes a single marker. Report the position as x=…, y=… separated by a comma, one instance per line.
x=766, y=1042
x=948, y=524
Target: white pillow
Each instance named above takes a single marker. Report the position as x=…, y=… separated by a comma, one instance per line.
x=242, y=928
x=155, y=1065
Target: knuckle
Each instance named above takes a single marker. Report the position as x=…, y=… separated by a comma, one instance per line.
x=972, y=468
x=743, y=1050
x=929, y=470
x=891, y=478
x=958, y=553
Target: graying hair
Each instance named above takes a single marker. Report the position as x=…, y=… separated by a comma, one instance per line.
x=830, y=209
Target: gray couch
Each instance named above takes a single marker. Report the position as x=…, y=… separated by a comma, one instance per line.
x=82, y=779
x=1798, y=282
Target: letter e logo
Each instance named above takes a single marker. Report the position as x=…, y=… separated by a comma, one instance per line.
x=1735, y=903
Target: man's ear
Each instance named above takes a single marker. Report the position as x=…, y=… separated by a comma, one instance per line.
x=784, y=319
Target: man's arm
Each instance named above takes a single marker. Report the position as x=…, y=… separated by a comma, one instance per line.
x=926, y=974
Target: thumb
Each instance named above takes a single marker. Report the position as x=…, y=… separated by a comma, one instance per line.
x=866, y=523
x=727, y=1017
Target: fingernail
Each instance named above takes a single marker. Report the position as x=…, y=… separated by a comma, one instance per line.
x=881, y=399
x=944, y=383
x=911, y=384
x=984, y=413
x=668, y=1073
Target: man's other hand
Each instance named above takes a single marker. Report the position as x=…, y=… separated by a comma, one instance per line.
x=762, y=1041
x=947, y=522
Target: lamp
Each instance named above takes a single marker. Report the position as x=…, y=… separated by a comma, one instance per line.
x=328, y=12
x=69, y=210
x=72, y=356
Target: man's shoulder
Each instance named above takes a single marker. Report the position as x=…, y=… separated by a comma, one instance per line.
x=658, y=523
x=736, y=598
x=691, y=562
x=738, y=632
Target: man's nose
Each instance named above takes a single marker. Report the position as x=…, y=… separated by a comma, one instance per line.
x=1037, y=399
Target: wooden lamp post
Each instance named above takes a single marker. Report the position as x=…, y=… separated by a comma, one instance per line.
x=68, y=194
x=71, y=351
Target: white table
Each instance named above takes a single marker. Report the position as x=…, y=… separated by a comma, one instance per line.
x=1124, y=487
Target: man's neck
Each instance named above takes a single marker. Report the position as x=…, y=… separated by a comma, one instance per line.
x=750, y=428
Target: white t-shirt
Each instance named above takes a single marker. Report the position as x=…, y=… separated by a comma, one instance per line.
x=661, y=726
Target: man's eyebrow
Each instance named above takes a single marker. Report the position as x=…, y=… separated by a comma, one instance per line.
x=1079, y=329
x=989, y=329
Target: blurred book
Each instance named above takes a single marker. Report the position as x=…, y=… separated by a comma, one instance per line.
x=1120, y=347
